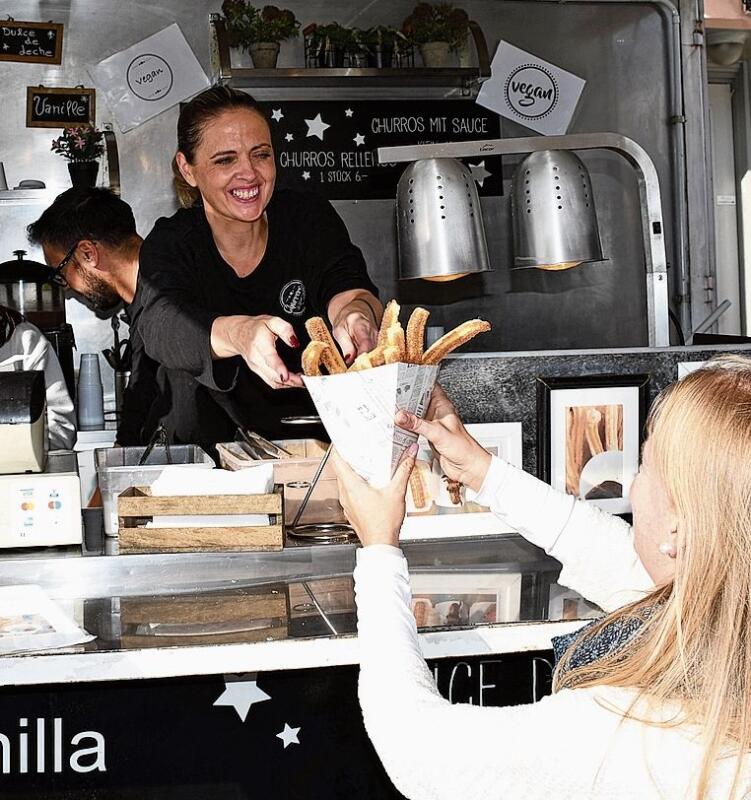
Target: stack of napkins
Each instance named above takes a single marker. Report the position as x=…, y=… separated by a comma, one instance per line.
x=183, y=481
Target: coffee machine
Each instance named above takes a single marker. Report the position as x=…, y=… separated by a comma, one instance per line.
x=27, y=287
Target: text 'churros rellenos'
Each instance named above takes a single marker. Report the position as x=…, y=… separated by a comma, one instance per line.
x=394, y=345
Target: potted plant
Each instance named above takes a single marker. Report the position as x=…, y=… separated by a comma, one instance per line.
x=258, y=31
x=81, y=146
x=380, y=43
x=328, y=45
x=438, y=30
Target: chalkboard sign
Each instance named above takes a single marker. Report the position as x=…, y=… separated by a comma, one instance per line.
x=38, y=42
x=59, y=108
x=330, y=146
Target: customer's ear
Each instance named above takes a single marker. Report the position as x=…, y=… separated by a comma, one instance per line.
x=88, y=254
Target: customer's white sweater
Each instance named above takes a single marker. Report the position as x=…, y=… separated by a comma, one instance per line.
x=574, y=744
x=29, y=349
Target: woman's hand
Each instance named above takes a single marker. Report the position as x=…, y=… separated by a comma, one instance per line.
x=254, y=338
x=461, y=457
x=354, y=319
x=375, y=514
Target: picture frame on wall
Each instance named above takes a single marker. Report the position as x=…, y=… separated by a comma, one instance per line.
x=446, y=599
x=449, y=512
x=589, y=434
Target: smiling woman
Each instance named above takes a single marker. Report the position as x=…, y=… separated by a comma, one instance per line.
x=236, y=273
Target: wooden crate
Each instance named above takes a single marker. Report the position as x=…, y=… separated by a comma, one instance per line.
x=137, y=505
x=234, y=616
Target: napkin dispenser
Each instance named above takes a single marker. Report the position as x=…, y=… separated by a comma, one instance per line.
x=23, y=422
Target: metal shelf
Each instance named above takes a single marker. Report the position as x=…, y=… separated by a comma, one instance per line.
x=462, y=81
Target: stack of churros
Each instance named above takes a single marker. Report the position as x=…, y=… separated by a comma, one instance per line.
x=394, y=345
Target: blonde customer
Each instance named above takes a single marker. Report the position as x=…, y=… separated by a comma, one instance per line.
x=654, y=700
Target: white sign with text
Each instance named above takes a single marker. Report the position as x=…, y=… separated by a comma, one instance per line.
x=149, y=77
x=530, y=91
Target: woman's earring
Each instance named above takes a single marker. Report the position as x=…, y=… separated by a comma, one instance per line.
x=668, y=549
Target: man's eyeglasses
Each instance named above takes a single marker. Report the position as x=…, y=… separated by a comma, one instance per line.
x=57, y=272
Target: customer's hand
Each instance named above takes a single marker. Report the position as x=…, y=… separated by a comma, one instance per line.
x=461, y=457
x=375, y=514
x=254, y=338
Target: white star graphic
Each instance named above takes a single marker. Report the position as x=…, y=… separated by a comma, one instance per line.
x=289, y=137
x=277, y=115
x=479, y=173
x=359, y=139
x=241, y=695
x=289, y=735
x=306, y=175
x=5, y=46
x=316, y=126
x=50, y=34
x=348, y=112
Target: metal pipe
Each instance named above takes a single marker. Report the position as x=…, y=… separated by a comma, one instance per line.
x=649, y=195
x=707, y=323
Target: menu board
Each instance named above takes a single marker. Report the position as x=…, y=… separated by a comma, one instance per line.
x=331, y=146
x=59, y=108
x=36, y=42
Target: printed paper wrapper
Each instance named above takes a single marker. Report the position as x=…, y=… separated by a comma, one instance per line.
x=358, y=408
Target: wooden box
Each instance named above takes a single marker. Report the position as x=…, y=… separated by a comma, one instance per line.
x=235, y=616
x=137, y=506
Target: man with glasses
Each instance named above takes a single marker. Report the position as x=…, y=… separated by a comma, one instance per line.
x=89, y=238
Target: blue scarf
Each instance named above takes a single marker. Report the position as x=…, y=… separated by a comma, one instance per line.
x=614, y=636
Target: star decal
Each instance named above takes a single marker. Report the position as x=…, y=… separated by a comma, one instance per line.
x=277, y=115
x=316, y=126
x=5, y=46
x=289, y=735
x=289, y=137
x=241, y=695
x=479, y=173
x=359, y=139
x=50, y=34
x=348, y=112
x=306, y=175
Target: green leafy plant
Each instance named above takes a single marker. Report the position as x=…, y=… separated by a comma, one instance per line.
x=83, y=143
x=247, y=25
x=334, y=35
x=439, y=23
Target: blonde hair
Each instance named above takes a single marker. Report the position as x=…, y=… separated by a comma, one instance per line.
x=694, y=645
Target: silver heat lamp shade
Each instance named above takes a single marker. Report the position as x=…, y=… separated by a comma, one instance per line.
x=555, y=224
x=439, y=222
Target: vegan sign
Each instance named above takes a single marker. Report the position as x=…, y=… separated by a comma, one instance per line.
x=530, y=91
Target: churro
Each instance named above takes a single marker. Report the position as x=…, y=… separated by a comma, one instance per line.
x=311, y=357
x=416, y=335
x=395, y=339
x=363, y=361
x=418, y=488
x=391, y=355
x=390, y=316
x=453, y=339
x=330, y=357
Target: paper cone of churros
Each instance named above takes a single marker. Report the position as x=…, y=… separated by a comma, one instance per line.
x=357, y=405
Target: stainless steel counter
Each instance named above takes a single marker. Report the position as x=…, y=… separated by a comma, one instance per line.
x=210, y=613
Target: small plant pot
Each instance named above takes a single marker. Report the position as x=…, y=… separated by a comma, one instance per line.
x=380, y=56
x=436, y=54
x=264, y=54
x=240, y=58
x=83, y=173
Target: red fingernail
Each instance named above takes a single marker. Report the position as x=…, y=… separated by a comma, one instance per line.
x=293, y=340
x=348, y=359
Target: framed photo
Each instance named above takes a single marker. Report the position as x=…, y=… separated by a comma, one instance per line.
x=444, y=510
x=565, y=603
x=444, y=599
x=589, y=432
